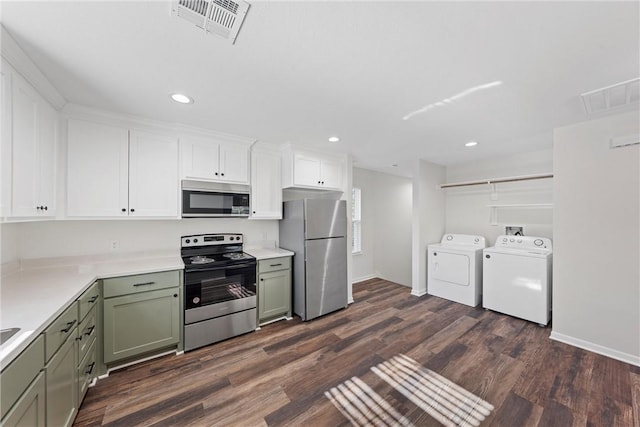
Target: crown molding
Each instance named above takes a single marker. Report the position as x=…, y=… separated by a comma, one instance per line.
x=19, y=60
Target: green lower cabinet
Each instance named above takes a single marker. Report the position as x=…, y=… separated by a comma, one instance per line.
x=140, y=323
x=86, y=371
x=274, y=295
x=29, y=410
x=62, y=384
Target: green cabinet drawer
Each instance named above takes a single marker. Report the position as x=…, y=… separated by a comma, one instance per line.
x=87, y=333
x=140, y=323
x=61, y=329
x=274, y=264
x=16, y=377
x=88, y=300
x=29, y=410
x=86, y=371
x=140, y=283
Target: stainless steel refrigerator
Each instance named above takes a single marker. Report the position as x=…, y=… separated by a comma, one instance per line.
x=316, y=230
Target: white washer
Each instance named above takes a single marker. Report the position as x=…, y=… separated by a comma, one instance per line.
x=454, y=269
x=517, y=277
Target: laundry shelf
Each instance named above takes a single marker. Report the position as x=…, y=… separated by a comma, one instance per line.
x=498, y=180
x=523, y=205
x=493, y=216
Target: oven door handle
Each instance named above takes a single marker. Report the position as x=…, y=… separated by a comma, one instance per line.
x=229, y=267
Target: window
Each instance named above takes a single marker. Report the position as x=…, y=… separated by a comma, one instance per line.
x=356, y=222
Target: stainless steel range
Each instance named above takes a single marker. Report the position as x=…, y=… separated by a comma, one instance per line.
x=220, y=289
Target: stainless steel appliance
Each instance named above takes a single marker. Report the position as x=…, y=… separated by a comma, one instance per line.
x=212, y=199
x=219, y=289
x=316, y=229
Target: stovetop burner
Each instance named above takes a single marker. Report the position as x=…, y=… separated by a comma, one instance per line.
x=207, y=251
x=236, y=255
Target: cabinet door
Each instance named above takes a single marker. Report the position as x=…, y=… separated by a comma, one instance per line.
x=234, y=163
x=46, y=159
x=306, y=170
x=274, y=294
x=331, y=174
x=153, y=175
x=24, y=142
x=29, y=410
x=266, y=185
x=139, y=323
x=97, y=170
x=200, y=159
x=62, y=385
x=5, y=140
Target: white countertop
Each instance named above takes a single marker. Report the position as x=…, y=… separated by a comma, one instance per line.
x=266, y=253
x=35, y=293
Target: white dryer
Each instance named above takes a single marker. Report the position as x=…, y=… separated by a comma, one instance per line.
x=454, y=269
x=517, y=277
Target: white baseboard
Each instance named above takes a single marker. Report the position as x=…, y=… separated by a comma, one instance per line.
x=363, y=278
x=418, y=294
x=596, y=348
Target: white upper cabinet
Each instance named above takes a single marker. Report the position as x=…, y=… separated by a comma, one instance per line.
x=116, y=173
x=311, y=170
x=34, y=129
x=266, y=184
x=153, y=175
x=212, y=160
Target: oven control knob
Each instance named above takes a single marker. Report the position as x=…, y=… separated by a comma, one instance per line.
x=187, y=241
x=195, y=240
x=237, y=237
x=538, y=242
x=196, y=300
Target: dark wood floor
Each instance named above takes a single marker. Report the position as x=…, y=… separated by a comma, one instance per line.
x=278, y=375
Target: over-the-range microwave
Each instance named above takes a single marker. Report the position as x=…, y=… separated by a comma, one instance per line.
x=211, y=199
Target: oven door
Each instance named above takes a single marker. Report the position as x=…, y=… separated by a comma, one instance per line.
x=199, y=203
x=217, y=285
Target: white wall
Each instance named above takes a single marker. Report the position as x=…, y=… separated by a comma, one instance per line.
x=596, y=272
x=386, y=227
x=466, y=207
x=428, y=219
x=9, y=241
x=72, y=238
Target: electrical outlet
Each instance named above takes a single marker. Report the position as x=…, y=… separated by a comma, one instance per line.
x=113, y=245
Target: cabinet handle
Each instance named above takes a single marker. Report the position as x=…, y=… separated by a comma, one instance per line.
x=216, y=173
x=319, y=182
x=124, y=209
x=322, y=182
x=262, y=280
x=275, y=265
x=145, y=283
x=175, y=295
x=254, y=212
x=68, y=328
x=222, y=174
x=133, y=210
x=93, y=299
x=38, y=207
x=45, y=208
x=90, y=330
x=90, y=368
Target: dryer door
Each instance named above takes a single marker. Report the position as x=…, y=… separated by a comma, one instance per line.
x=450, y=267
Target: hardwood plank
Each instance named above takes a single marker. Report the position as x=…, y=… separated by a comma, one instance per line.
x=611, y=378
x=609, y=412
x=556, y=414
x=517, y=408
x=635, y=397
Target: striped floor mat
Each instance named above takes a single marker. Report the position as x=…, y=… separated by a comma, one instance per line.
x=443, y=400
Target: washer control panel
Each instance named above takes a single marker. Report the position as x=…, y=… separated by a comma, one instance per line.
x=523, y=242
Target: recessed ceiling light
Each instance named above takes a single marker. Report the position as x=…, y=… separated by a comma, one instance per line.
x=181, y=98
x=471, y=144
x=334, y=139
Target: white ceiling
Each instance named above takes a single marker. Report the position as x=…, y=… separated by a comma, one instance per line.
x=303, y=71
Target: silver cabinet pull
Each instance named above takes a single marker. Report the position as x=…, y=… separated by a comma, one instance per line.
x=275, y=265
x=144, y=284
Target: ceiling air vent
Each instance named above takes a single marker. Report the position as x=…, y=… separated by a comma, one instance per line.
x=221, y=17
x=612, y=97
